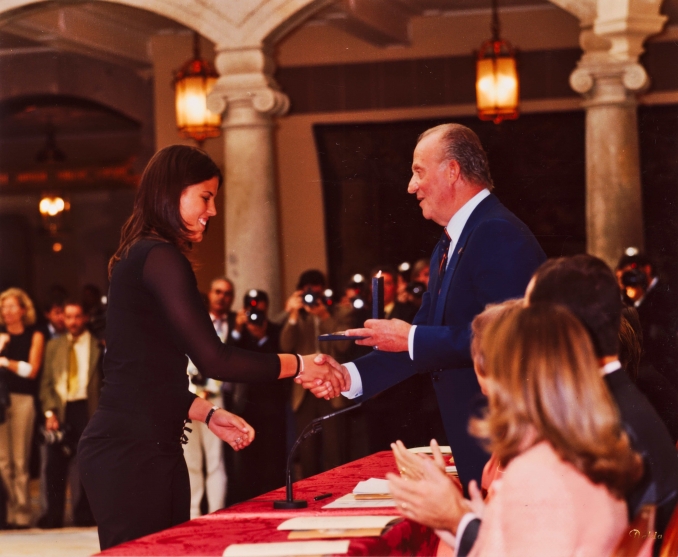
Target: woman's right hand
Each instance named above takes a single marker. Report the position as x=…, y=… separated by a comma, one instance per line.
x=232, y=429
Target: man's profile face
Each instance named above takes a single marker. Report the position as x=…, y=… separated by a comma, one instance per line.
x=430, y=180
x=220, y=297
x=75, y=319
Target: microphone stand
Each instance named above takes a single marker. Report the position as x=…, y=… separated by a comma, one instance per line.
x=314, y=426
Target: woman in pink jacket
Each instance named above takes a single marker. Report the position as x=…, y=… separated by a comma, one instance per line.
x=555, y=431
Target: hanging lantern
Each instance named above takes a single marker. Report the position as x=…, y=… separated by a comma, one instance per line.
x=192, y=83
x=52, y=209
x=497, y=85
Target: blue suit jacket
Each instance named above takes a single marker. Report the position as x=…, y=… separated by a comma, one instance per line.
x=493, y=261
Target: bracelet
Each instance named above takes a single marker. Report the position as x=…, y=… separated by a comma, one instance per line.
x=300, y=364
x=209, y=414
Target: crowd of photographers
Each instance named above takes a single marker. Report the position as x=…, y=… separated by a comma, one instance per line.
x=50, y=373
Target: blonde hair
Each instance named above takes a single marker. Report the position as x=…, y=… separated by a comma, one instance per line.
x=491, y=314
x=544, y=385
x=24, y=301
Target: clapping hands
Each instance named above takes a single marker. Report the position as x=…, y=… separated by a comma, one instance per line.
x=425, y=494
x=323, y=376
x=411, y=465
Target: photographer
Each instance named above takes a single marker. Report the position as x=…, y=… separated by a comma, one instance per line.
x=308, y=317
x=657, y=307
x=412, y=282
x=261, y=468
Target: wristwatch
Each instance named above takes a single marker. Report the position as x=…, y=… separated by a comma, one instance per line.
x=49, y=414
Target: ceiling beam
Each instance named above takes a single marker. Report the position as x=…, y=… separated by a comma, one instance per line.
x=379, y=22
x=73, y=30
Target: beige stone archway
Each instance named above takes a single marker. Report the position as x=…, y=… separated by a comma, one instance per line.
x=243, y=32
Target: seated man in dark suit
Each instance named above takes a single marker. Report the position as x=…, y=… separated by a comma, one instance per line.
x=587, y=287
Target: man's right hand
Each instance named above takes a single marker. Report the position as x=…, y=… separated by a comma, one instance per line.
x=335, y=377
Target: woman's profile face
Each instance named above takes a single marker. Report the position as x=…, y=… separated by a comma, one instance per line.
x=11, y=310
x=196, y=206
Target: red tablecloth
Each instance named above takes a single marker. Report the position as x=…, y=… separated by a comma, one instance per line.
x=256, y=520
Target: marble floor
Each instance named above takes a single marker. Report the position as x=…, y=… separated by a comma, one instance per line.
x=61, y=542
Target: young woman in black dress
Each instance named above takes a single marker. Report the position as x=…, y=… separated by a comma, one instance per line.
x=131, y=460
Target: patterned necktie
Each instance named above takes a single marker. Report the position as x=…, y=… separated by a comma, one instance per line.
x=445, y=242
x=72, y=371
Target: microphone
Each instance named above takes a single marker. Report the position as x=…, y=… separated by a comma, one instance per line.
x=313, y=427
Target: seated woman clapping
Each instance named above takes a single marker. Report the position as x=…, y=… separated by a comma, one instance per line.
x=555, y=431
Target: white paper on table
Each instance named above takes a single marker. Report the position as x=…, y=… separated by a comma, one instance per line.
x=336, y=522
x=348, y=501
x=373, y=486
x=445, y=449
x=284, y=549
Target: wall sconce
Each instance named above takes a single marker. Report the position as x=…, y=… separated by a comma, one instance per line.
x=192, y=83
x=497, y=84
x=52, y=209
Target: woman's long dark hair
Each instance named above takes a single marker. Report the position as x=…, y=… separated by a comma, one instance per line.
x=156, y=205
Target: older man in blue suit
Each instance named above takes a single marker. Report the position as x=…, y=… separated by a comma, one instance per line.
x=485, y=255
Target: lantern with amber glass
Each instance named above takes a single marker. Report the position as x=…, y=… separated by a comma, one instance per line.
x=192, y=83
x=52, y=209
x=497, y=85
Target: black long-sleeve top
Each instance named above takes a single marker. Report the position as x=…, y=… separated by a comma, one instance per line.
x=156, y=318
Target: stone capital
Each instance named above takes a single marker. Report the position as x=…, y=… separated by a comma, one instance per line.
x=609, y=82
x=246, y=80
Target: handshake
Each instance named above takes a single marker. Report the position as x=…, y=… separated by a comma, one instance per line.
x=323, y=376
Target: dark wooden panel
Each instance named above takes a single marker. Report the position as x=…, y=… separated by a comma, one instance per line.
x=659, y=61
x=418, y=82
x=658, y=130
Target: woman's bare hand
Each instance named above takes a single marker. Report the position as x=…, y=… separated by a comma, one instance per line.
x=232, y=429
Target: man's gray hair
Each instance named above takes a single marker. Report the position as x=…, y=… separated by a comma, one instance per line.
x=462, y=145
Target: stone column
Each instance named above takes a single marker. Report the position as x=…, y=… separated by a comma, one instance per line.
x=248, y=97
x=609, y=76
x=614, y=217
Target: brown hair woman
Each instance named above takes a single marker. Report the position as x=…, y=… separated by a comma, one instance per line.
x=131, y=460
